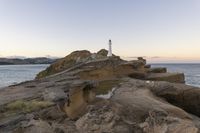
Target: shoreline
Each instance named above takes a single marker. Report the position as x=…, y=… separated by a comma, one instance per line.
x=195, y=85
x=15, y=74
x=72, y=96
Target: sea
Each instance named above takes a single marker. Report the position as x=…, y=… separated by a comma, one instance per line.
x=191, y=71
x=13, y=74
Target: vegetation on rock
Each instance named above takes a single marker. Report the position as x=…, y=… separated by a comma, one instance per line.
x=27, y=106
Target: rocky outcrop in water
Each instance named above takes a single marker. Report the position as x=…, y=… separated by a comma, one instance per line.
x=95, y=94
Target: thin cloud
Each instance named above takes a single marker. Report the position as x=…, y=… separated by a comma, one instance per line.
x=133, y=57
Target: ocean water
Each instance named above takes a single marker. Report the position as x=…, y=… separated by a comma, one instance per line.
x=191, y=71
x=12, y=74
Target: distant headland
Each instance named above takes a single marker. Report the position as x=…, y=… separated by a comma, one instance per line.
x=18, y=61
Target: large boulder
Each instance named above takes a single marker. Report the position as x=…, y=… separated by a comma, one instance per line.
x=102, y=52
x=72, y=59
x=133, y=107
x=183, y=96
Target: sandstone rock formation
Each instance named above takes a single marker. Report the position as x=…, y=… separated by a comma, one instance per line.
x=74, y=59
x=91, y=93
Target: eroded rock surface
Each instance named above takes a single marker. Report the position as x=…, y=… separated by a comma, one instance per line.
x=97, y=94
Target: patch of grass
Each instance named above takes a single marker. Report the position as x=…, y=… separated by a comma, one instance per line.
x=27, y=106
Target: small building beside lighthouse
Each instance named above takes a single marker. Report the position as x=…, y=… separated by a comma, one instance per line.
x=110, y=48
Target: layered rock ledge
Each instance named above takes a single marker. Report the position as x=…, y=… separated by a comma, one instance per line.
x=90, y=93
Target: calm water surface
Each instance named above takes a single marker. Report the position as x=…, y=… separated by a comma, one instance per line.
x=12, y=74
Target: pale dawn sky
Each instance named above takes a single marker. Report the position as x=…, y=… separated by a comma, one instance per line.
x=157, y=29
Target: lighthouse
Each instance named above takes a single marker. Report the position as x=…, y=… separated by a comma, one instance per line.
x=110, y=48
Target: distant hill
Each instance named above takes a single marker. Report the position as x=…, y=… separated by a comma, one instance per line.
x=17, y=61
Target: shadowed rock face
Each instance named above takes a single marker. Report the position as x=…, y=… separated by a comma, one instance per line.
x=102, y=52
x=157, y=70
x=95, y=94
x=183, y=96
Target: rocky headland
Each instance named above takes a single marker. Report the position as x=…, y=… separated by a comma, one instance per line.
x=18, y=61
x=91, y=93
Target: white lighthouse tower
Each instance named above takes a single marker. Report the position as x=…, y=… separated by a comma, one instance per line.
x=110, y=49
